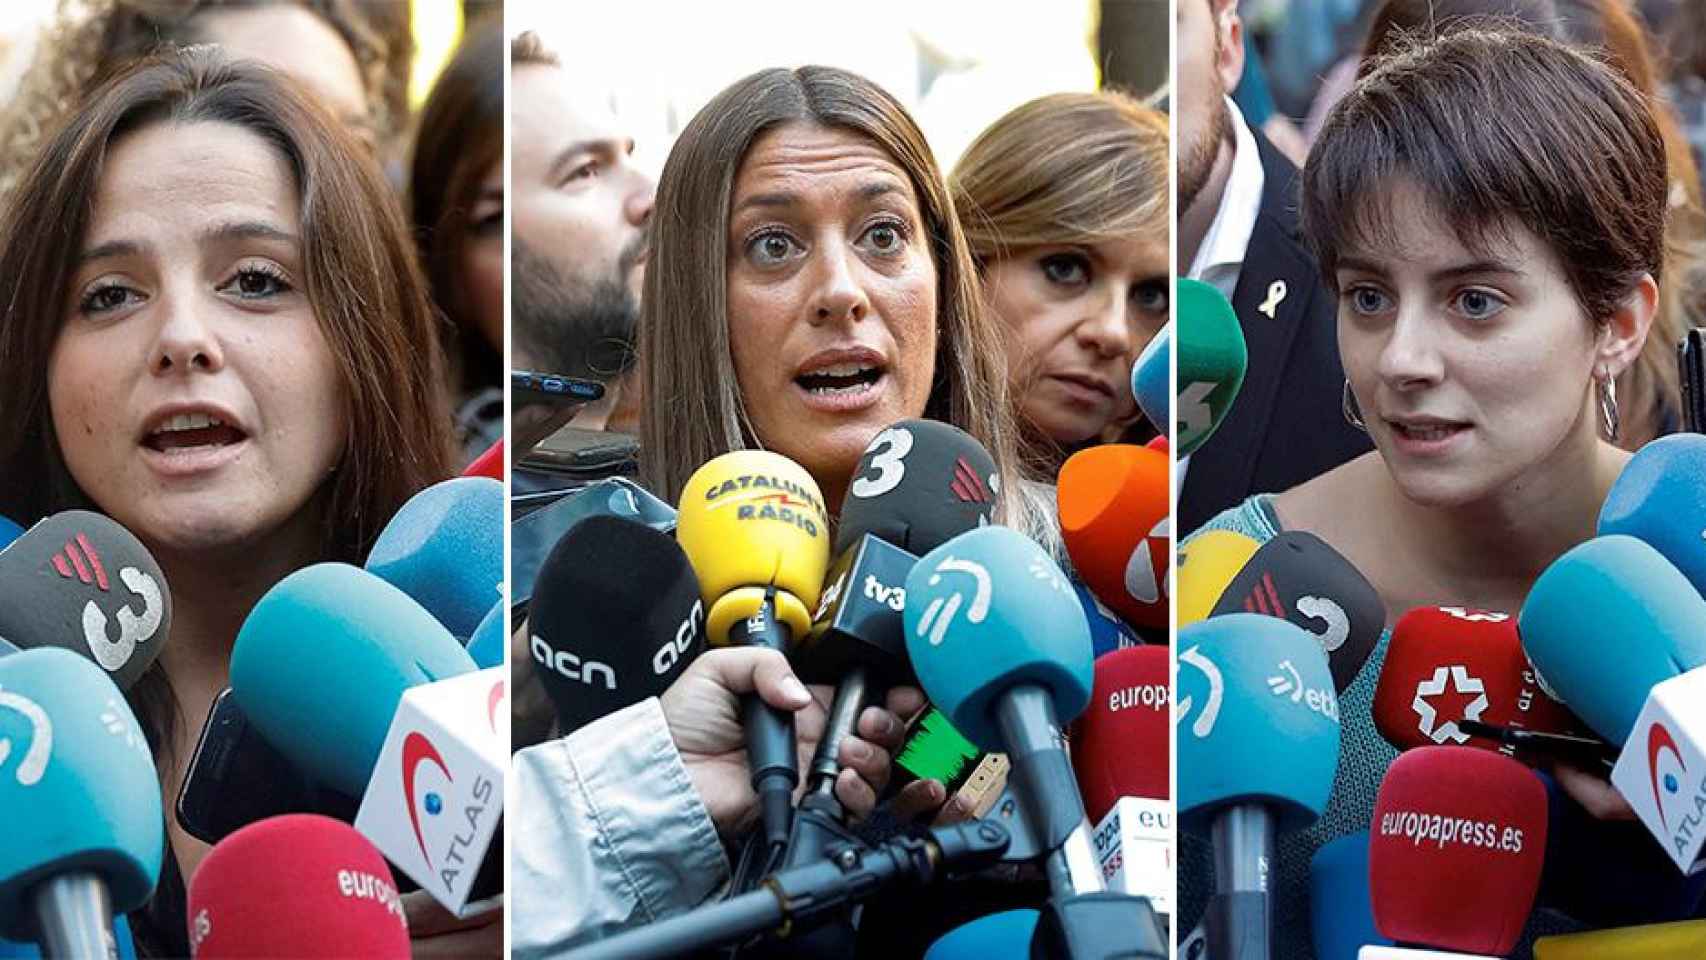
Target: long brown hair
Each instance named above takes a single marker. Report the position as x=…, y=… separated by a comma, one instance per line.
x=461, y=135
x=360, y=274
x=691, y=406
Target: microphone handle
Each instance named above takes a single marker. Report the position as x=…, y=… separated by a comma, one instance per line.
x=75, y=916
x=1239, y=921
x=770, y=743
x=1048, y=791
x=843, y=720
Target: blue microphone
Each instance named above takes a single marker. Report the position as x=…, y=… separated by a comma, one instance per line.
x=1000, y=644
x=1606, y=622
x=1107, y=631
x=9, y=531
x=1150, y=383
x=81, y=797
x=1341, y=908
x=1246, y=683
x=322, y=661
x=1660, y=498
x=445, y=548
x=486, y=646
x=998, y=936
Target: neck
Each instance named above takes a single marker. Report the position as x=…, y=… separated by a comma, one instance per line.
x=1195, y=219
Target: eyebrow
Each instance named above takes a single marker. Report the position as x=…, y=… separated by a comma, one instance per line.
x=223, y=232
x=784, y=199
x=1449, y=273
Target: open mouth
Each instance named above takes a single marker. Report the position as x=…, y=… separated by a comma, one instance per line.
x=186, y=433
x=841, y=380
x=1427, y=432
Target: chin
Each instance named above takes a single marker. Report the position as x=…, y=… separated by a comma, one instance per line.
x=1440, y=488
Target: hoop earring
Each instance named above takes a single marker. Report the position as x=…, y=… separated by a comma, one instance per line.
x=1608, y=404
x=1348, y=406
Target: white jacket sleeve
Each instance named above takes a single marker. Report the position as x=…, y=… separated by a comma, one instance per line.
x=608, y=834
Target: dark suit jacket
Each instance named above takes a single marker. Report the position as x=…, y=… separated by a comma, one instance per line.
x=1285, y=426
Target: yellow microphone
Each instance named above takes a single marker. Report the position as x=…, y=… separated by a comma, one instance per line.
x=1658, y=941
x=1207, y=563
x=753, y=525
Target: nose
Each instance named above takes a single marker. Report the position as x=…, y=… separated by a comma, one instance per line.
x=186, y=340
x=637, y=206
x=1410, y=359
x=838, y=294
x=1106, y=327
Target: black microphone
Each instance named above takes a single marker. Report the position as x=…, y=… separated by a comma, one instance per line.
x=80, y=581
x=616, y=617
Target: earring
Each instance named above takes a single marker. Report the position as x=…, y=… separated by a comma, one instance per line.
x=1608, y=403
x=1353, y=413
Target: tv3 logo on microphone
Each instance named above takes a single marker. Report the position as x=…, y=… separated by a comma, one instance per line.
x=79, y=560
x=418, y=749
x=940, y=613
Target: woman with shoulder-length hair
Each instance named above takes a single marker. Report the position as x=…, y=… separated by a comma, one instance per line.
x=216, y=332
x=1491, y=289
x=1064, y=203
x=809, y=284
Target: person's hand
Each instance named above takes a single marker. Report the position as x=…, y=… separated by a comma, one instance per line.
x=1595, y=795
x=702, y=710
x=433, y=932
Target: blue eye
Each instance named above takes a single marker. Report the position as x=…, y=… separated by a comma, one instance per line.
x=1478, y=304
x=1368, y=301
x=1151, y=297
x=1066, y=269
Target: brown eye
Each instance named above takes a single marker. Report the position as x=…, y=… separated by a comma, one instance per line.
x=770, y=248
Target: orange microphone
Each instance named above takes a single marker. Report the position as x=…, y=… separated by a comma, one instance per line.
x=1115, y=521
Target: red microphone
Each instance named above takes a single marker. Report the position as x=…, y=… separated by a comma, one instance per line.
x=1448, y=665
x=1455, y=849
x=1158, y=443
x=488, y=464
x=298, y=885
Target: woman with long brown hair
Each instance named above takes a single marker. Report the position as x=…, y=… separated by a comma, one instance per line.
x=1064, y=203
x=216, y=332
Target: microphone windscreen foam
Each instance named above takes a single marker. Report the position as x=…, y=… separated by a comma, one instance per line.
x=1207, y=563
x=1449, y=664
x=998, y=936
x=1150, y=379
x=749, y=520
x=1341, y=913
x=298, y=885
x=80, y=581
x=1606, y=622
x=323, y=659
x=486, y=646
x=1107, y=631
x=78, y=787
x=1455, y=849
x=1296, y=576
x=9, y=531
x=445, y=548
x=616, y=617
x=489, y=464
x=1660, y=499
x=989, y=610
x=1212, y=360
x=1122, y=743
x=1114, y=519
x=919, y=483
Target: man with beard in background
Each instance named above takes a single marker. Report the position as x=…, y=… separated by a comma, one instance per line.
x=1238, y=232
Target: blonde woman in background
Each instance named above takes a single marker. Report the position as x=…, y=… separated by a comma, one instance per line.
x=1064, y=203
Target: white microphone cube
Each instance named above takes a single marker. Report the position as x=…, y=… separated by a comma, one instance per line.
x=1662, y=769
x=436, y=795
x=1134, y=849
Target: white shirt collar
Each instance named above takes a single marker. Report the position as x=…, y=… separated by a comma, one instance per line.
x=1221, y=255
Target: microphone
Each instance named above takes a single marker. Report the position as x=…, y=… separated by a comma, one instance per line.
x=1298, y=578
x=616, y=617
x=445, y=548
x=1120, y=752
x=533, y=534
x=80, y=581
x=754, y=528
x=918, y=483
x=486, y=646
x=1212, y=360
x=1207, y=563
x=1448, y=665
x=1341, y=911
x=297, y=885
x=992, y=937
x=82, y=798
x=1116, y=523
x=9, y=531
x=322, y=660
x=1150, y=379
x=1253, y=682
x=1658, y=941
x=1455, y=849
x=1659, y=499
x=1107, y=631
x=489, y=464
x=121, y=946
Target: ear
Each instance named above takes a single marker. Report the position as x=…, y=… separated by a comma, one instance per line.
x=1229, y=44
x=1625, y=332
